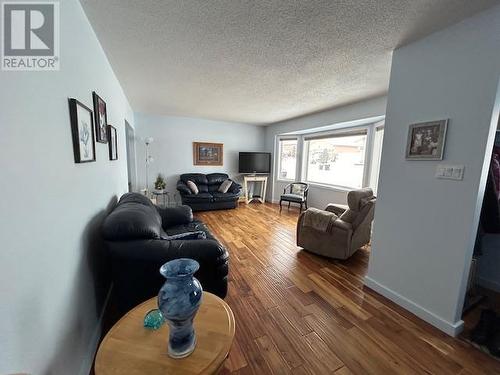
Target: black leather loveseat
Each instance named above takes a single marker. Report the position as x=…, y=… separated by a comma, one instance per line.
x=135, y=233
x=208, y=197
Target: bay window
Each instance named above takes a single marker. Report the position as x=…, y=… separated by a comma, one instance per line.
x=376, y=156
x=336, y=159
x=287, y=159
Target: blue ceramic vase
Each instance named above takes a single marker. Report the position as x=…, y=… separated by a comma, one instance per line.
x=178, y=301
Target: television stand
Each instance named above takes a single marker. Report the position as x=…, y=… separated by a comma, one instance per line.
x=257, y=180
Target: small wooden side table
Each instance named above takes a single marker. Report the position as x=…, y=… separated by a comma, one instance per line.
x=161, y=198
x=256, y=179
x=131, y=349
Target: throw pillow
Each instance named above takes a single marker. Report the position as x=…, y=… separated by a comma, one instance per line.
x=192, y=186
x=298, y=189
x=224, y=187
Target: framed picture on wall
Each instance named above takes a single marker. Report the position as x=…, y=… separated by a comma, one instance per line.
x=82, y=129
x=208, y=153
x=426, y=140
x=112, y=143
x=101, y=118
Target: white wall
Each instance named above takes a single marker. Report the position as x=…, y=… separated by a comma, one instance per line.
x=320, y=196
x=172, y=148
x=425, y=227
x=53, y=281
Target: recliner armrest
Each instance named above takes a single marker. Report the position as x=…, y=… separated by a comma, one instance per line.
x=175, y=216
x=341, y=224
x=337, y=209
x=183, y=188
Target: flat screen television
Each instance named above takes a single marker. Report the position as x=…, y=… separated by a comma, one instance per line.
x=255, y=162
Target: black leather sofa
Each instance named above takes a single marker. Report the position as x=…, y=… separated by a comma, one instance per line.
x=208, y=197
x=135, y=233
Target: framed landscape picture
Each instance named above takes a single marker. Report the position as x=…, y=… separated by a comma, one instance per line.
x=112, y=143
x=426, y=140
x=101, y=118
x=82, y=129
x=207, y=153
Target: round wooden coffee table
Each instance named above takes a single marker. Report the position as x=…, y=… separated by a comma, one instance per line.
x=131, y=349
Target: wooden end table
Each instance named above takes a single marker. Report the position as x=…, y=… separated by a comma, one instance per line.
x=131, y=349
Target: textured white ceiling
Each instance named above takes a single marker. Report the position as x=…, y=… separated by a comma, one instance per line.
x=260, y=61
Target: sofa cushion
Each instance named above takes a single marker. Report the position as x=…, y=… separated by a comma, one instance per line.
x=363, y=212
x=198, y=235
x=192, y=186
x=198, y=178
x=293, y=198
x=194, y=226
x=224, y=197
x=175, y=215
x=224, y=187
x=135, y=198
x=349, y=216
x=356, y=199
x=200, y=197
x=132, y=221
x=216, y=178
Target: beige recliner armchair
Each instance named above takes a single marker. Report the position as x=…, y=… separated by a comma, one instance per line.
x=338, y=231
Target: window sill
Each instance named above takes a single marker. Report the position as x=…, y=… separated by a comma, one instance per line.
x=318, y=185
x=331, y=187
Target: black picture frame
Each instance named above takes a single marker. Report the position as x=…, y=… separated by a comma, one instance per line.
x=100, y=118
x=112, y=143
x=82, y=130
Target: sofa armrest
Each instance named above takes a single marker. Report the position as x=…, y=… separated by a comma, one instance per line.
x=212, y=257
x=337, y=209
x=175, y=216
x=235, y=188
x=152, y=254
x=183, y=188
x=140, y=260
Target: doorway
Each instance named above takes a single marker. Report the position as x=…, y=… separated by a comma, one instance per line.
x=481, y=312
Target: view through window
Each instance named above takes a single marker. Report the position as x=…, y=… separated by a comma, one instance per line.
x=376, y=155
x=288, y=159
x=337, y=160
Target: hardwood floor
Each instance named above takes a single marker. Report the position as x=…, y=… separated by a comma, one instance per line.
x=297, y=313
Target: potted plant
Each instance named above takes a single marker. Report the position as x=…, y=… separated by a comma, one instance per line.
x=160, y=183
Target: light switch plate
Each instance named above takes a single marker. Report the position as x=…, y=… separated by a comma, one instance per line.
x=450, y=172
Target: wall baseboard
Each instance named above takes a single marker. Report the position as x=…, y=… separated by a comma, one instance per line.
x=96, y=337
x=452, y=329
x=488, y=284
